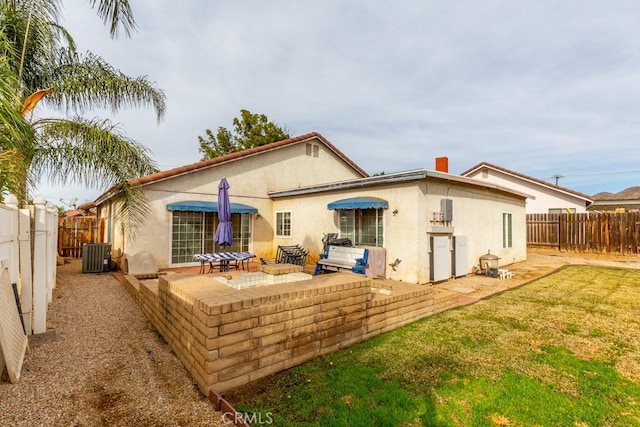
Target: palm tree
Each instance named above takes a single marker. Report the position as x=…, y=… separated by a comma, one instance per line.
x=40, y=63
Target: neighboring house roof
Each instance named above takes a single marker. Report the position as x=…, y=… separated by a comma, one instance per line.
x=628, y=198
x=231, y=157
x=486, y=165
x=411, y=175
x=631, y=193
x=86, y=206
x=79, y=212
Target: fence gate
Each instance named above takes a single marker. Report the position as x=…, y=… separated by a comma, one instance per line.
x=74, y=232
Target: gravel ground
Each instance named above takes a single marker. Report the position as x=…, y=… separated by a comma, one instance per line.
x=101, y=363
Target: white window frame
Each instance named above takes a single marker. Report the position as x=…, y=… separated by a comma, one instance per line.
x=312, y=150
x=207, y=224
x=280, y=227
x=355, y=232
x=507, y=230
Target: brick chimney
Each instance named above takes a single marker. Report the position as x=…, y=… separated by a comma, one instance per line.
x=442, y=164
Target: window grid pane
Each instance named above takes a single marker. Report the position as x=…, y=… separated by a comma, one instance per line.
x=210, y=226
x=368, y=226
x=507, y=231
x=380, y=218
x=194, y=233
x=283, y=224
x=362, y=226
x=347, y=224
x=245, y=232
x=187, y=229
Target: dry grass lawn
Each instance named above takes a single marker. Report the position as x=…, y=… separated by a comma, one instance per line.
x=563, y=350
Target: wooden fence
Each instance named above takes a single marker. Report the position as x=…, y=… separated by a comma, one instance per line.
x=74, y=232
x=586, y=232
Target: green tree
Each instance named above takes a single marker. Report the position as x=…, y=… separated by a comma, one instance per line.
x=250, y=130
x=39, y=63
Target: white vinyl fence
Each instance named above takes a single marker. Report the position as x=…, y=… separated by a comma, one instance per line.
x=31, y=266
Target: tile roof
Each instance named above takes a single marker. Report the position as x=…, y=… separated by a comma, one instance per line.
x=243, y=154
x=527, y=178
x=204, y=164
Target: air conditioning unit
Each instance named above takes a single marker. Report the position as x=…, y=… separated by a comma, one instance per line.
x=96, y=257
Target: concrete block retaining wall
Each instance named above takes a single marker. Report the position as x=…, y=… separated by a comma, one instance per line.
x=227, y=337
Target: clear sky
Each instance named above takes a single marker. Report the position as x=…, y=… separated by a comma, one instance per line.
x=544, y=88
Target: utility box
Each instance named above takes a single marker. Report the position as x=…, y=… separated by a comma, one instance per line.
x=460, y=256
x=440, y=258
x=446, y=207
x=96, y=257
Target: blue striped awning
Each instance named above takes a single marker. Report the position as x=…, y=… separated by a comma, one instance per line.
x=359, y=203
x=200, y=206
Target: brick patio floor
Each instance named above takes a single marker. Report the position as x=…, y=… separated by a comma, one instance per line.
x=472, y=287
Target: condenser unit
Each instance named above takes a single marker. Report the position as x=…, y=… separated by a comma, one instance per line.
x=96, y=257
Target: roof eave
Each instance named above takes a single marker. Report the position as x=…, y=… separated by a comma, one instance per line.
x=413, y=175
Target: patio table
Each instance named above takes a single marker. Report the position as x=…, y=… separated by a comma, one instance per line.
x=223, y=260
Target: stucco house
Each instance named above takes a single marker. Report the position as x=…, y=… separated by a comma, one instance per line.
x=183, y=200
x=420, y=226
x=544, y=197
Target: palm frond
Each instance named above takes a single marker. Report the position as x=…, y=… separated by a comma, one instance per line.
x=116, y=13
x=132, y=208
x=81, y=83
x=89, y=152
x=39, y=61
x=16, y=135
x=31, y=27
x=96, y=154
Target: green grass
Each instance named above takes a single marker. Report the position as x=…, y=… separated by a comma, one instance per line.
x=561, y=351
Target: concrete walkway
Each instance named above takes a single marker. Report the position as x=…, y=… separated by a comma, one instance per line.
x=539, y=263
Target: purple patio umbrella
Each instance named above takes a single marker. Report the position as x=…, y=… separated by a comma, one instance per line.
x=224, y=235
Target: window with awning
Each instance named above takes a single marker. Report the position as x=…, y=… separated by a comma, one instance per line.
x=361, y=219
x=193, y=227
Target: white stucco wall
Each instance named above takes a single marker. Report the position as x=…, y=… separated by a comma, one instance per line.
x=477, y=214
x=544, y=198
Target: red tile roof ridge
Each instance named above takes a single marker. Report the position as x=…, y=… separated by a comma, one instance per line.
x=202, y=164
